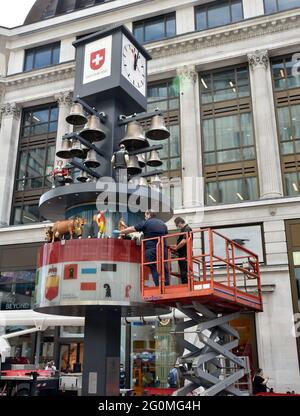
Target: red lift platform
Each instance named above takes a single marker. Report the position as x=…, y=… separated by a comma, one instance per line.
x=224, y=276
x=223, y=280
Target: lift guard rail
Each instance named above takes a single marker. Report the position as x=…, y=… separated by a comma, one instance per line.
x=220, y=271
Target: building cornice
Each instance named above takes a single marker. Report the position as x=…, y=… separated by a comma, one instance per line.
x=246, y=29
x=39, y=77
x=179, y=45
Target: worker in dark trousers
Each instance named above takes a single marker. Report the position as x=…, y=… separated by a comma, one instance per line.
x=152, y=227
x=181, y=248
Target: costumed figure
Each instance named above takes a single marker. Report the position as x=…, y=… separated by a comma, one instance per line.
x=58, y=174
x=101, y=222
x=119, y=161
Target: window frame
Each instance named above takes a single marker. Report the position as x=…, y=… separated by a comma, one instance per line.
x=226, y=171
x=52, y=46
x=144, y=22
x=206, y=7
x=290, y=163
x=168, y=115
x=277, y=7
x=30, y=196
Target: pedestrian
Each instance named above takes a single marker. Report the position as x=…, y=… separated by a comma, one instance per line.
x=152, y=227
x=260, y=382
x=50, y=366
x=173, y=378
x=181, y=248
x=122, y=377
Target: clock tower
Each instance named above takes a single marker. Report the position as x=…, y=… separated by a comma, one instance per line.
x=111, y=76
x=112, y=64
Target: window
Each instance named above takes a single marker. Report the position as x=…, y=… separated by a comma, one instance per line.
x=16, y=289
x=165, y=96
x=273, y=6
x=156, y=28
x=42, y=56
x=229, y=154
x=35, y=161
x=218, y=14
x=283, y=73
x=287, y=100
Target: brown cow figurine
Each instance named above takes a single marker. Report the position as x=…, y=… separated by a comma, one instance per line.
x=60, y=228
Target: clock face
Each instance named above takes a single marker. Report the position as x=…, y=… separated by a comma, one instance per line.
x=134, y=66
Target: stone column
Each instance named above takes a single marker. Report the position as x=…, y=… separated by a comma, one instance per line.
x=9, y=140
x=64, y=100
x=253, y=8
x=192, y=182
x=267, y=148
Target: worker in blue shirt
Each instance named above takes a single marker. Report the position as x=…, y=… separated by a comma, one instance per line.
x=152, y=227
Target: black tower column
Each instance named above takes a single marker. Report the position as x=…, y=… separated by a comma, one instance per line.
x=101, y=363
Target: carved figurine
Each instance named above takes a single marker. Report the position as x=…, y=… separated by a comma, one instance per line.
x=101, y=222
x=60, y=228
x=59, y=173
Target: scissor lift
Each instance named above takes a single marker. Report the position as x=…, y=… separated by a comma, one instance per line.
x=223, y=281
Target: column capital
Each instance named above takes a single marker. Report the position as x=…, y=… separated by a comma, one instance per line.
x=64, y=98
x=10, y=109
x=187, y=73
x=258, y=59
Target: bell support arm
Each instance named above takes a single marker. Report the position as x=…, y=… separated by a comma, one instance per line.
x=123, y=120
x=81, y=166
x=84, y=142
x=146, y=150
x=102, y=116
x=148, y=174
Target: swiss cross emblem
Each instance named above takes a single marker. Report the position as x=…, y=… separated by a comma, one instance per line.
x=97, y=59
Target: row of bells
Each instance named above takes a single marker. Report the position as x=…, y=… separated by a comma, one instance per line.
x=142, y=182
x=135, y=137
x=74, y=148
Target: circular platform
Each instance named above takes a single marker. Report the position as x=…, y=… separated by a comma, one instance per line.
x=74, y=275
x=119, y=197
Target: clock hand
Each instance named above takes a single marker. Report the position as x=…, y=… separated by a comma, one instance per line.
x=136, y=58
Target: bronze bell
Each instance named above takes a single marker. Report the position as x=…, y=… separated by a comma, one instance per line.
x=83, y=176
x=154, y=160
x=134, y=138
x=155, y=181
x=91, y=161
x=93, y=130
x=85, y=151
x=76, y=150
x=158, y=130
x=69, y=179
x=76, y=116
x=143, y=183
x=65, y=151
x=142, y=161
x=133, y=167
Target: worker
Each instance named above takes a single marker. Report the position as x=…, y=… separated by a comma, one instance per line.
x=152, y=227
x=181, y=248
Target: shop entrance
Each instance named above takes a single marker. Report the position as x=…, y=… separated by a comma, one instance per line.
x=71, y=357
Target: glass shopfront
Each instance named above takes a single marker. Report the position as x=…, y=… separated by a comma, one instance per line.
x=16, y=290
x=153, y=354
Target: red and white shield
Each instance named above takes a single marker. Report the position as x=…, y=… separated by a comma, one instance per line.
x=97, y=59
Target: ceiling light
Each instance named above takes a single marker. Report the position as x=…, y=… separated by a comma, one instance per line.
x=295, y=187
x=240, y=196
x=204, y=83
x=212, y=198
